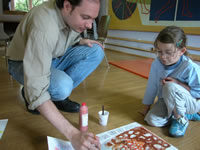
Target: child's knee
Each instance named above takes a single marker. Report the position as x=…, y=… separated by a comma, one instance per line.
x=155, y=121
x=168, y=89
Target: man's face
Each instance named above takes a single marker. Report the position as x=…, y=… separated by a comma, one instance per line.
x=81, y=17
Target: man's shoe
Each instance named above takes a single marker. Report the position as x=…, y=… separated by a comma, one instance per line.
x=35, y=112
x=67, y=105
x=193, y=117
x=178, y=127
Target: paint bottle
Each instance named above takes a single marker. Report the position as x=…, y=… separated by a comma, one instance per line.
x=83, y=117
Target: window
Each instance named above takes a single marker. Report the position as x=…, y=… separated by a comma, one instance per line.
x=23, y=5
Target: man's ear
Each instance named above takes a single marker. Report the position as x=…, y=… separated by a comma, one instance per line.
x=67, y=6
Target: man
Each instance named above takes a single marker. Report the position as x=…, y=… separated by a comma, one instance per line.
x=50, y=59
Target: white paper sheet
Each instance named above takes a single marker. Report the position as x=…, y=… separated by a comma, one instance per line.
x=105, y=137
x=3, y=124
x=57, y=144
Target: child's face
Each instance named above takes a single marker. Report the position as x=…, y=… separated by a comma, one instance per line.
x=168, y=53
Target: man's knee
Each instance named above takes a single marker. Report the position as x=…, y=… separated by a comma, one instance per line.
x=98, y=52
x=61, y=85
x=64, y=90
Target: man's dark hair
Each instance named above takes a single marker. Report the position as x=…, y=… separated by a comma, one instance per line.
x=74, y=3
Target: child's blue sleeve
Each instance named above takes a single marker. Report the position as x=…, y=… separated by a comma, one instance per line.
x=151, y=89
x=194, y=81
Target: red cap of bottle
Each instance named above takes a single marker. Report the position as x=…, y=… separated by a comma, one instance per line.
x=83, y=104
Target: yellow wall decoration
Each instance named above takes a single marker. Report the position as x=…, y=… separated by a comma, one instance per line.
x=154, y=15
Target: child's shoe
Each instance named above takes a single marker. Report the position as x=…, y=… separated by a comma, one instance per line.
x=194, y=117
x=178, y=127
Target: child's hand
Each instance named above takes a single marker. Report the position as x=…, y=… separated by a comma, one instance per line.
x=169, y=79
x=145, y=110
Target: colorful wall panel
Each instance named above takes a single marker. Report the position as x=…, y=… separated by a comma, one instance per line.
x=153, y=15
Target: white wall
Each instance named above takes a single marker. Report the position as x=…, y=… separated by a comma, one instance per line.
x=131, y=35
x=193, y=40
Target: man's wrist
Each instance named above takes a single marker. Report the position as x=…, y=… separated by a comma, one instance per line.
x=70, y=133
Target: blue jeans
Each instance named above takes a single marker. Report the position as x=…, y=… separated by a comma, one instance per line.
x=68, y=71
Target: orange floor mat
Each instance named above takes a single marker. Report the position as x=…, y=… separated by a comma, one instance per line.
x=139, y=67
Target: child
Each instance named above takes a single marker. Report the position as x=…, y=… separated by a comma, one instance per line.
x=175, y=79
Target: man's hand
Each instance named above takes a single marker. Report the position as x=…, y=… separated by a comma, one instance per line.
x=85, y=141
x=89, y=42
x=80, y=141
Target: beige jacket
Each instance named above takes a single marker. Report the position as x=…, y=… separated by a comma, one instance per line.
x=40, y=36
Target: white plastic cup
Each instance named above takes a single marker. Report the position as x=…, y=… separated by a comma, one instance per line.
x=103, y=119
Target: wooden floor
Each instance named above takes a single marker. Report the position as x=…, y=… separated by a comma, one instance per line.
x=119, y=91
